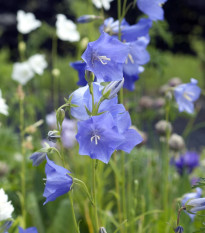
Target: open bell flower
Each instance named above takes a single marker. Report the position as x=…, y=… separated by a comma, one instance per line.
x=58, y=182
x=3, y=105
x=102, y=4
x=26, y=22
x=105, y=58
x=186, y=94
x=195, y=205
x=66, y=29
x=6, y=208
x=152, y=8
x=22, y=72
x=37, y=63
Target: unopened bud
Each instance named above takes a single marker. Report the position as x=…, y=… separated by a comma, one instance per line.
x=175, y=82
x=56, y=72
x=179, y=229
x=3, y=169
x=60, y=115
x=163, y=127
x=87, y=18
x=102, y=230
x=54, y=135
x=176, y=142
x=89, y=76
x=146, y=102
x=111, y=90
x=38, y=158
x=22, y=47
x=84, y=43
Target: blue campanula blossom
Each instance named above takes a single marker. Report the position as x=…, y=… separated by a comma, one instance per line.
x=79, y=66
x=38, y=157
x=179, y=229
x=187, y=162
x=105, y=58
x=137, y=57
x=82, y=98
x=98, y=137
x=152, y=8
x=186, y=94
x=58, y=182
x=28, y=230
x=189, y=196
x=195, y=205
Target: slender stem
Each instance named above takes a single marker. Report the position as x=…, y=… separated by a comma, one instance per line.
x=23, y=168
x=179, y=213
x=119, y=17
x=94, y=167
x=73, y=213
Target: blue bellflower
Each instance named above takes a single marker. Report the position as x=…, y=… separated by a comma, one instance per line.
x=58, y=182
x=195, y=205
x=98, y=137
x=152, y=8
x=79, y=66
x=28, y=230
x=105, y=58
x=187, y=162
x=189, y=196
x=186, y=94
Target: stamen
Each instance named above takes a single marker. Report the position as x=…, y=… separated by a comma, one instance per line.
x=96, y=137
x=130, y=58
x=187, y=95
x=102, y=59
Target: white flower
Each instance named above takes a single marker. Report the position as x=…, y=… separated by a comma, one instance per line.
x=26, y=22
x=38, y=63
x=3, y=105
x=22, y=72
x=102, y=3
x=66, y=29
x=6, y=208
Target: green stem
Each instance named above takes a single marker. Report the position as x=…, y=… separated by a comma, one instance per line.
x=23, y=168
x=94, y=167
x=73, y=213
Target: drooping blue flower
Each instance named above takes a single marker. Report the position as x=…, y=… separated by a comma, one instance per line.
x=152, y=8
x=38, y=157
x=28, y=230
x=137, y=57
x=195, y=205
x=79, y=66
x=105, y=58
x=186, y=94
x=189, y=196
x=98, y=137
x=82, y=98
x=186, y=162
x=179, y=229
x=58, y=182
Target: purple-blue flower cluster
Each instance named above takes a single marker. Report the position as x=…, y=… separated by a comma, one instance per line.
x=186, y=162
x=109, y=130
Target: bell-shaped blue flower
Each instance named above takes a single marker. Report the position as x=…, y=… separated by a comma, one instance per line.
x=186, y=94
x=98, y=137
x=152, y=8
x=189, y=196
x=28, y=230
x=79, y=66
x=105, y=58
x=58, y=182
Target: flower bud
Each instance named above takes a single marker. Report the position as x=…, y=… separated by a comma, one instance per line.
x=102, y=230
x=84, y=43
x=89, y=76
x=56, y=72
x=175, y=82
x=176, y=142
x=87, y=18
x=53, y=135
x=38, y=158
x=60, y=115
x=179, y=229
x=111, y=90
x=163, y=127
x=22, y=47
x=146, y=102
